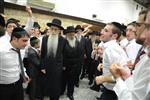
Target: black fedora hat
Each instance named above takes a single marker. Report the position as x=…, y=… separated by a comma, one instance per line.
x=94, y=33
x=69, y=29
x=36, y=25
x=79, y=27
x=56, y=22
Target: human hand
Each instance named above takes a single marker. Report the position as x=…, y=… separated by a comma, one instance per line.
x=26, y=79
x=115, y=70
x=125, y=72
x=130, y=64
x=99, y=67
x=29, y=11
x=100, y=51
x=119, y=71
x=99, y=79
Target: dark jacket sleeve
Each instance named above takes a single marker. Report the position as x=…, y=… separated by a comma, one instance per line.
x=34, y=63
x=43, y=53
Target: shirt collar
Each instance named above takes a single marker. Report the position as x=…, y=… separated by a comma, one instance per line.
x=133, y=40
x=109, y=43
x=7, y=35
x=34, y=49
x=9, y=47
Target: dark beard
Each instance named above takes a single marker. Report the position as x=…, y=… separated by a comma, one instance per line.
x=141, y=42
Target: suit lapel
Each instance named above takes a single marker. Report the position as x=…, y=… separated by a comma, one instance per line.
x=58, y=46
x=36, y=53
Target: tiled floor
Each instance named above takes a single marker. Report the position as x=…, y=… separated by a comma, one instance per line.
x=81, y=93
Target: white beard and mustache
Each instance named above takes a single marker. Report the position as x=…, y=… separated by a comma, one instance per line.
x=78, y=37
x=52, y=44
x=72, y=42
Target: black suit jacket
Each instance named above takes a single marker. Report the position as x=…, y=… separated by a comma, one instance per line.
x=82, y=47
x=33, y=68
x=89, y=49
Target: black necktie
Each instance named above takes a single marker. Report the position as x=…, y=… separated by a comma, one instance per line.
x=20, y=62
x=126, y=48
x=140, y=53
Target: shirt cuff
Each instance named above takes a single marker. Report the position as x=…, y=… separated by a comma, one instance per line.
x=120, y=86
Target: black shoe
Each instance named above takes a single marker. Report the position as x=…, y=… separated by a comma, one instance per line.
x=70, y=97
x=90, y=82
x=77, y=85
x=95, y=88
x=82, y=76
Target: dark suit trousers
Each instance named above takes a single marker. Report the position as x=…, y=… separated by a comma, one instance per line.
x=108, y=95
x=69, y=78
x=12, y=91
x=54, y=98
x=32, y=89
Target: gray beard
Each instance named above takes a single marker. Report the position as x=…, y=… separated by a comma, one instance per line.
x=52, y=44
x=72, y=42
x=78, y=37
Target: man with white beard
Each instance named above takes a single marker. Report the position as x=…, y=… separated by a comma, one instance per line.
x=52, y=60
x=70, y=61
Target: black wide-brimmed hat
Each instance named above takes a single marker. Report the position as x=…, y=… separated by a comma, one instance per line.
x=69, y=29
x=94, y=33
x=56, y=22
x=36, y=25
x=79, y=27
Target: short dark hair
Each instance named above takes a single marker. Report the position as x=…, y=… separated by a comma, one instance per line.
x=133, y=24
x=33, y=41
x=13, y=20
x=117, y=28
x=19, y=33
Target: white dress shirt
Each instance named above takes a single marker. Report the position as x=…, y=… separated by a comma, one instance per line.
x=137, y=86
x=78, y=36
x=29, y=24
x=5, y=39
x=113, y=53
x=131, y=49
x=9, y=64
x=123, y=42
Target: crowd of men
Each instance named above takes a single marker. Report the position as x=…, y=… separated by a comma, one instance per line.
x=116, y=60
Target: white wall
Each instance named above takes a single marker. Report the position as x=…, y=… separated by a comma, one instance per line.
x=123, y=11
